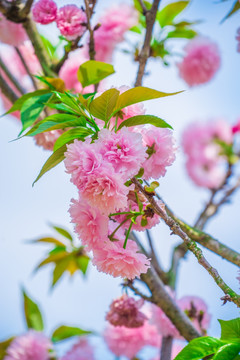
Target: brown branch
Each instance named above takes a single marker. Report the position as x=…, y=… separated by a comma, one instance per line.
x=11, y=77
x=89, y=11
x=27, y=8
x=166, y=348
x=191, y=245
x=26, y=68
x=7, y=91
x=161, y=298
x=205, y=239
x=150, y=16
x=40, y=51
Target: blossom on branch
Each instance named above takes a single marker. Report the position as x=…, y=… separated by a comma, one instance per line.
x=31, y=346
x=82, y=350
x=44, y=11
x=124, y=311
x=201, y=61
x=71, y=21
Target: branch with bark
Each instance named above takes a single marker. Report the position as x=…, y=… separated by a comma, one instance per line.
x=191, y=245
x=150, y=16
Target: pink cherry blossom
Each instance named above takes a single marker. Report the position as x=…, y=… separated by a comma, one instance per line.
x=113, y=259
x=236, y=127
x=70, y=20
x=47, y=139
x=31, y=346
x=206, y=175
x=82, y=159
x=90, y=225
x=124, y=311
x=105, y=190
x=152, y=218
x=123, y=341
x=44, y=11
x=201, y=61
x=206, y=165
x=161, y=150
x=114, y=23
x=11, y=33
x=124, y=150
x=197, y=310
x=82, y=350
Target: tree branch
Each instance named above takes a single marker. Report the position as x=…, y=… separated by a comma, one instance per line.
x=11, y=77
x=161, y=298
x=191, y=245
x=150, y=16
x=7, y=91
x=26, y=68
x=37, y=43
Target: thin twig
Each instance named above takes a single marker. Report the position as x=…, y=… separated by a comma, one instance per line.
x=11, y=77
x=166, y=348
x=192, y=246
x=7, y=91
x=26, y=68
x=150, y=16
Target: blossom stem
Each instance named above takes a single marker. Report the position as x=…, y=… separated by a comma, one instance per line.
x=127, y=235
x=191, y=245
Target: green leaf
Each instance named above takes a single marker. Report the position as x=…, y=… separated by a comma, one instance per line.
x=182, y=33
x=65, y=332
x=227, y=352
x=63, y=232
x=60, y=268
x=50, y=48
x=139, y=94
x=19, y=102
x=230, y=330
x=235, y=8
x=52, y=161
x=199, y=348
x=55, y=256
x=70, y=100
x=82, y=263
x=137, y=29
x=49, y=240
x=56, y=121
x=33, y=315
x=3, y=347
x=145, y=119
x=102, y=107
x=169, y=12
x=31, y=109
x=77, y=133
x=62, y=107
x=92, y=72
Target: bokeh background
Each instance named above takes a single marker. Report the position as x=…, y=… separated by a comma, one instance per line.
x=26, y=211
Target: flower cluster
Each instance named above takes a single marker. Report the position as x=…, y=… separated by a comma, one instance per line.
x=71, y=20
x=106, y=205
x=31, y=346
x=200, y=63
x=206, y=162
x=123, y=341
x=194, y=307
x=124, y=311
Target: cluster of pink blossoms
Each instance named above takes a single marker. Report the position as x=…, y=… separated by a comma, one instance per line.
x=82, y=350
x=194, y=307
x=70, y=20
x=31, y=346
x=200, y=63
x=115, y=22
x=124, y=311
x=100, y=170
x=205, y=163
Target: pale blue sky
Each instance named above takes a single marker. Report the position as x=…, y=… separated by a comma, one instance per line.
x=26, y=210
